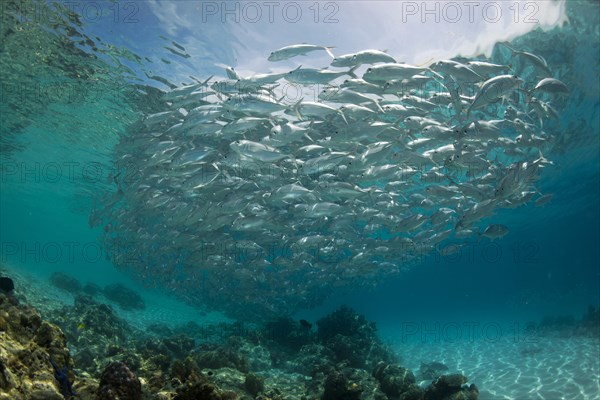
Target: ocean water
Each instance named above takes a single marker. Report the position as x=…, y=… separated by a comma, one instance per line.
x=88, y=190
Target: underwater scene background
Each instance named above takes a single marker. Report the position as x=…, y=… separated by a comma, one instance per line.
x=188, y=213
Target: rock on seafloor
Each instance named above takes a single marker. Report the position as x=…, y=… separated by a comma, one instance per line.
x=26, y=344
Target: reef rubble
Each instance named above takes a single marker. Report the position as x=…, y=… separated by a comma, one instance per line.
x=86, y=351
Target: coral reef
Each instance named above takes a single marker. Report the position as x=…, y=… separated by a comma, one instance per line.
x=91, y=289
x=220, y=356
x=125, y=298
x=66, y=283
x=312, y=360
x=285, y=359
x=568, y=325
x=451, y=387
x=394, y=379
x=338, y=386
x=345, y=382
x=254, y=384
x=95, y=330
x=26, y=347
x=351, y=337
x=289, y=333
x=202, y=390
x=118, y=382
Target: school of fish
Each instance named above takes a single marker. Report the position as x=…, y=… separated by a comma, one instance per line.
x=240, y=197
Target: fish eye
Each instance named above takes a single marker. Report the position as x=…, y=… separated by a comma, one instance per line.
x=369, y=69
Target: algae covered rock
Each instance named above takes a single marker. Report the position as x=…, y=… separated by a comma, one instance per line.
x=202, y=390
x=338, y=386
x=254, y=384
x=118, y=382
x=289, y=333
x=6, y=284
x=185, y=371
x=393, y=379
x=220, y=356
x=311, y=360
x=451, y=387
x=352, y=338
x=27, y=344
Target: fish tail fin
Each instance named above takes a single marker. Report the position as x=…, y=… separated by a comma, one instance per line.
x=376, y=102
x=428, y=62
x=270, y=90
x=343, y=116
x=296, y=109
x=543, y=160
x=479, y=235
x=205, y=83
x=351, y=72
x=328, y=50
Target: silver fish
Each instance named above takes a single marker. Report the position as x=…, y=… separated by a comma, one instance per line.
x=295, y=50
x=362, y=57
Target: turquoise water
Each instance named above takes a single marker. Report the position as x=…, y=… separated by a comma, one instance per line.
x=75, y=89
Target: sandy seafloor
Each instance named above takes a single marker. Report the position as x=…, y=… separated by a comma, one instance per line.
x=528, y=367
x=510, y=366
